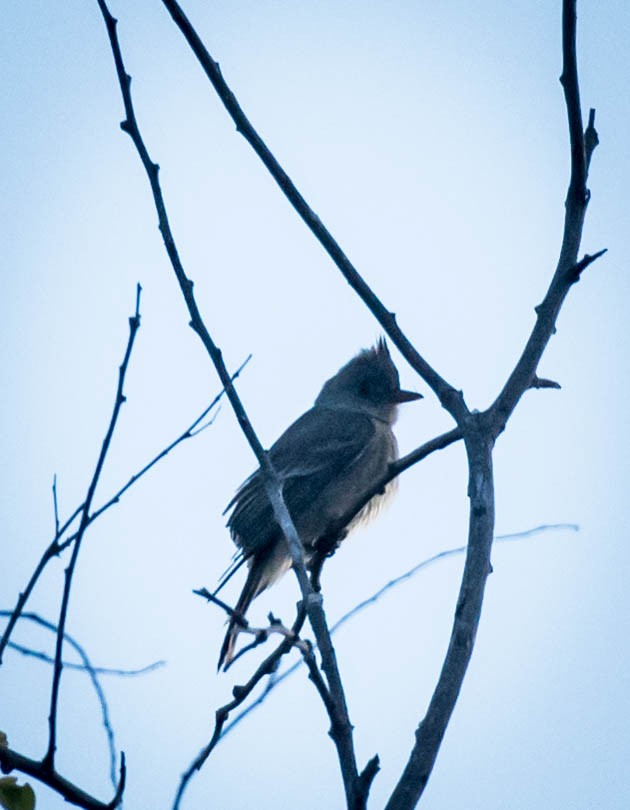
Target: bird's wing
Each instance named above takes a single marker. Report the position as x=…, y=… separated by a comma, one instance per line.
x=309, y=455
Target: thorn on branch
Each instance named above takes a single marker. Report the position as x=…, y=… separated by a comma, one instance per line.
x=541, y=382
x=591, y=138
x=574, y=273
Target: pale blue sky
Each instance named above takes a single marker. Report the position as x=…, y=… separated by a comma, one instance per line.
x=431, y=139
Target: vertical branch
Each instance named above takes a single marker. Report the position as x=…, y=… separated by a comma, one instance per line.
x=134, y=325
x=568, y=269
x=430, y=732
x=482, y=429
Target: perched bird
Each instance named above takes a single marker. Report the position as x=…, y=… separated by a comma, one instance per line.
x=328, y=460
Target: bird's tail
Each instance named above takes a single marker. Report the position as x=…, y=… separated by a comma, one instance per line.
x=264, y=569
x=253, y=586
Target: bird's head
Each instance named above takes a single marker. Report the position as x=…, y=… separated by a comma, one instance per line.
x=369, y=383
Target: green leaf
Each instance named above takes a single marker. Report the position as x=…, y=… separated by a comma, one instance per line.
x=14, y=796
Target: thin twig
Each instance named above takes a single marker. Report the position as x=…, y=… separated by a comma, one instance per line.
x=39, y=655
x=241, y=693
x=568, y=269
x=134, y=325
x=55, y=504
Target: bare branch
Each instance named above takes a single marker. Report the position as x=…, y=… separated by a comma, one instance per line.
x=451, y=399
x=568, y=269
x=12, y=760
x=312, y=601
x=481, y=431
x=134, y=325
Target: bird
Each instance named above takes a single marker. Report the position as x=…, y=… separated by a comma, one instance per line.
x=328, y=461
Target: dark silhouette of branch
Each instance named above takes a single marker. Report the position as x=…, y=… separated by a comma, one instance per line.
x=568, y=269
x=341, y=730
x=134, y=325
x=479, y=430
x=12, y=760
x=451, y=399
x=482, y=430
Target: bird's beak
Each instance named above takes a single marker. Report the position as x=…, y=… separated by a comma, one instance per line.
x=406, y=396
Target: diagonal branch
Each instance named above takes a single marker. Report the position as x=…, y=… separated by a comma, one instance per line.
x=451, y=399
x=313, y=602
